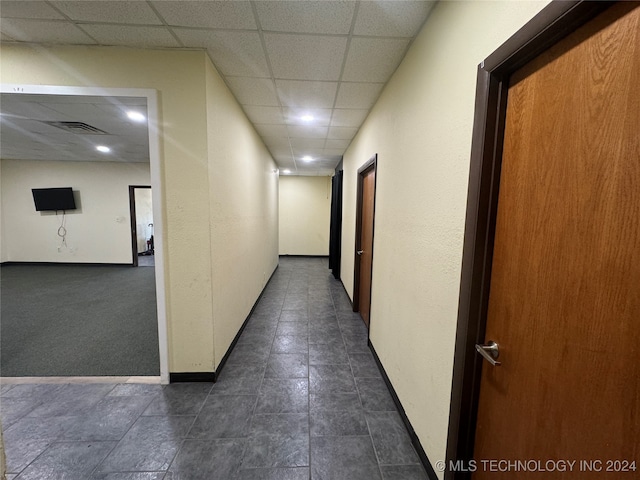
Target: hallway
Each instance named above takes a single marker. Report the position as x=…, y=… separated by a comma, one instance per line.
x=300, y=397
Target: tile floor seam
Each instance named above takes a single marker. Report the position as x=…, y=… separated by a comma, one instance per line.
x=182, y=442
x=309, y=453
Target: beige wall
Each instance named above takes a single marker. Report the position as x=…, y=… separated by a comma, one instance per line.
x=421, y=130
x=99, y=231
x=186, y=85
x=243, y=206
x=305, y=214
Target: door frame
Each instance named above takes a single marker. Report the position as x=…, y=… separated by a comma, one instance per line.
x=371, y=164
x=553, y=23
x=134, y=225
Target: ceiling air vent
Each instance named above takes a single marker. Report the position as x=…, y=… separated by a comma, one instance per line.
x=77, y=127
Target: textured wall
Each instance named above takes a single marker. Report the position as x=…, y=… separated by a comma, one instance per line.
x=421, y=130
x=243, y=206
x=98, y=232
x=305, y=215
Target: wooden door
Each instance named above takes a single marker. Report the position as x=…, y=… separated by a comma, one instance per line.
x=364, y=243
x=564, y=302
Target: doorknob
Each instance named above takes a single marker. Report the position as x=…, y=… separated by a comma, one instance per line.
x=360, y=252
x=490, y=352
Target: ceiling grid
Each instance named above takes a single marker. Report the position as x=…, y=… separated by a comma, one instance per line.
x=306, y=72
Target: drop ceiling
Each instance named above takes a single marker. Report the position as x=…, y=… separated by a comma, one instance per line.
x=284, y=61
x=28, y=128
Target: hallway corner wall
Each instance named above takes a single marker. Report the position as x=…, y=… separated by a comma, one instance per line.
x=243, y=210
x=421, y=130
x=179, y=79
x=305, y=215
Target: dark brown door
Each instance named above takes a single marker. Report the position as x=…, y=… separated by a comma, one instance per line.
x=364, y=242
x=564, y=303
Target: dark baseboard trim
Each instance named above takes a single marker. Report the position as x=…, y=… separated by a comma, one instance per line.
x=66, y=264
x=244, y=324
x=304, y=256
x=192, y=377
x=431, y=474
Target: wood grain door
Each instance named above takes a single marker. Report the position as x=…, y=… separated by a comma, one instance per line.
x=564, y=302
x=364, y=243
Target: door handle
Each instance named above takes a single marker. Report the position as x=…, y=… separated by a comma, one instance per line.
x=490, y=351
x=360, y=252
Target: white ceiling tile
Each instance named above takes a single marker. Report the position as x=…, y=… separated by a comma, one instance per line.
x=272, y=130
x=284, y=161
x=395, y=18
x=314, y=154
x=300, y=94
x=44, y=31
x=373, y=59
x=109, y=12
x=286, y=166
x=307, y=143
x=307, y=132
x=305, y=57
x=310, y=16
x=232, y=52
x=280, y=152
x=276, y=142
x=260, y=114
x=337, y=144
x=119, y=112
x=358, y=95
x=333, y=152
x=236, y=14
x=14, y=111
x=307, y=166
x=130, y=35
x=253, y=91
x=77, y=111
x=348, y=118
x=321, y=117
x=32, y=9
x=342, y=133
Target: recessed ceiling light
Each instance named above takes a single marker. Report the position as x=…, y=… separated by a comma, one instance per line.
x=306, y=118
x=307, y=158
x=103, y=149
x=286, y=171
x=136, y=116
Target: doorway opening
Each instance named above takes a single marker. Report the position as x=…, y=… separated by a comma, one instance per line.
x=142, y=240
x=104, y=102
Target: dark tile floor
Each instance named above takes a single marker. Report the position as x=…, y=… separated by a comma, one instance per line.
x=300, y=397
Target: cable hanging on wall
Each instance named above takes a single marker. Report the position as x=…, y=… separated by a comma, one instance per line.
x=62, y=231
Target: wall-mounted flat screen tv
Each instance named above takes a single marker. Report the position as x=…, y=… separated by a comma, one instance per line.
x=53, y=199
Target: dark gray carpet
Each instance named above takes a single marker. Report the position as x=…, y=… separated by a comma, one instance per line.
x=68, y=320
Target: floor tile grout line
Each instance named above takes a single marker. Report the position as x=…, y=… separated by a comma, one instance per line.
x=309, y=378
x=373, y=446
x=255, y=405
